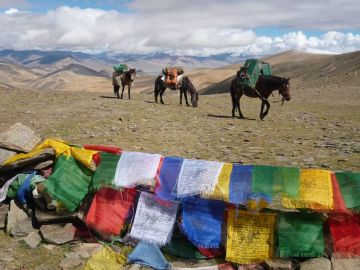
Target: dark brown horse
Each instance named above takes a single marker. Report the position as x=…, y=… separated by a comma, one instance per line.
x=185, y=86
x=127, y=79
x=263, y=89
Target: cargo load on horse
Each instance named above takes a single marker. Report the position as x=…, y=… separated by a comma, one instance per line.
x=121, y=68
x=172, y=76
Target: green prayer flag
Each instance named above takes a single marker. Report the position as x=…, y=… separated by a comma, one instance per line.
x=349, y=184
x=69, y=183
x=276, y=181
x=105, y=172
x=300, y=235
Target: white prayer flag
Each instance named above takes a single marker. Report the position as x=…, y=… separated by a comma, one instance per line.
x=197, y=176
x=135, y=168
x=154, y=220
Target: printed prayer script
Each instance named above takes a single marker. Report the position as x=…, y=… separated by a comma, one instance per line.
x=154, y=220
x=250, y=237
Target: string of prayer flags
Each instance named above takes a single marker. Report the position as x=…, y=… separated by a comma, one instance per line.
x=350, y=189
x=250, y=237
x=240, y=184
x=339, y=203
x=221, y=189
x=69, y=183
x=136, y=168
x=197, y=176
x=345, y=233
x=276, y=181
x=300, y=235
x=105, y=172
x=202, y=221
x=109, y=210
x=315, y=191
x=154, y=220
x=169, y=173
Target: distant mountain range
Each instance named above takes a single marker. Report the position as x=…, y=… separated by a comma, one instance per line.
x=77, y=71
x=148, y=63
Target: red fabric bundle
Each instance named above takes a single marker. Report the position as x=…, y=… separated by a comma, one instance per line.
x=345, y=232
x=109, y=210
x=211, y=252
x=339, y=203
x=102, y=148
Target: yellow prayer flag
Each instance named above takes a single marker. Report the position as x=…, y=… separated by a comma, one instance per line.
x=250, y=237
x=107, y=259
x=22, y=156
x=221, y=189
x=82, y=155
x=315, y=191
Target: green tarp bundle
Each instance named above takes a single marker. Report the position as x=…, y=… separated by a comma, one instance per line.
x=105, y=172
x=300, y=235
x=276, y=181
x=69, y=183
x=349, y=184
x=120, y=67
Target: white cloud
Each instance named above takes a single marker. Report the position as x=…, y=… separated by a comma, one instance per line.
x=201, y=27
x=11, y=11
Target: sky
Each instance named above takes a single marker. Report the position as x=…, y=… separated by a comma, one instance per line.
x=181, y=27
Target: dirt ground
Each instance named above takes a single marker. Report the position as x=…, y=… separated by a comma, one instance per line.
x=319, y=127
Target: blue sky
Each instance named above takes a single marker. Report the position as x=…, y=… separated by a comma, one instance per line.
x=196, y=27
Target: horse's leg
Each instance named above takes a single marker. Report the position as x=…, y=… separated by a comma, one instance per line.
x=241, y=116
x=161, y=94
x=129, y=91
x=265, y=102
x=185, y=95
x=116, y=90
x=156, y=93
x=122, y=91
x=181, y=94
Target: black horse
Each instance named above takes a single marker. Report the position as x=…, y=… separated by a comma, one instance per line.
x=127, y=78
x=263, y=89
x=185, y=86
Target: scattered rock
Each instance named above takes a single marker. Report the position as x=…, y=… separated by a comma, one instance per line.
x=19, y=138
x=18, y=223
x=6, y=256
x=316, y=264
x=5, y=154
x=345, y=264
x=33, y=239
x=57, y=234
x=4, y=208
x=281, y=159
x=278, y=264
x=68, y=263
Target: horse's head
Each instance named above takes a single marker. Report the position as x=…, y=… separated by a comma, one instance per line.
x=132, y=73
x=194, y=99
x=284, y=89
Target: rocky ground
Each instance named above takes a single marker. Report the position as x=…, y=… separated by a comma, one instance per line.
x=319, y=127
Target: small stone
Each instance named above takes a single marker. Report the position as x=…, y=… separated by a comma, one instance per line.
x=4, y=208
x=277, y=264
x=33, y=239
x=72, y=255
x=316, y=264
x=57, y=234
x=18, y=223
x=68, y=263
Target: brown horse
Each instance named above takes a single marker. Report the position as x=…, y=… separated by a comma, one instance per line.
x=263, y=89
x=185, y=86
x=127, y=79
